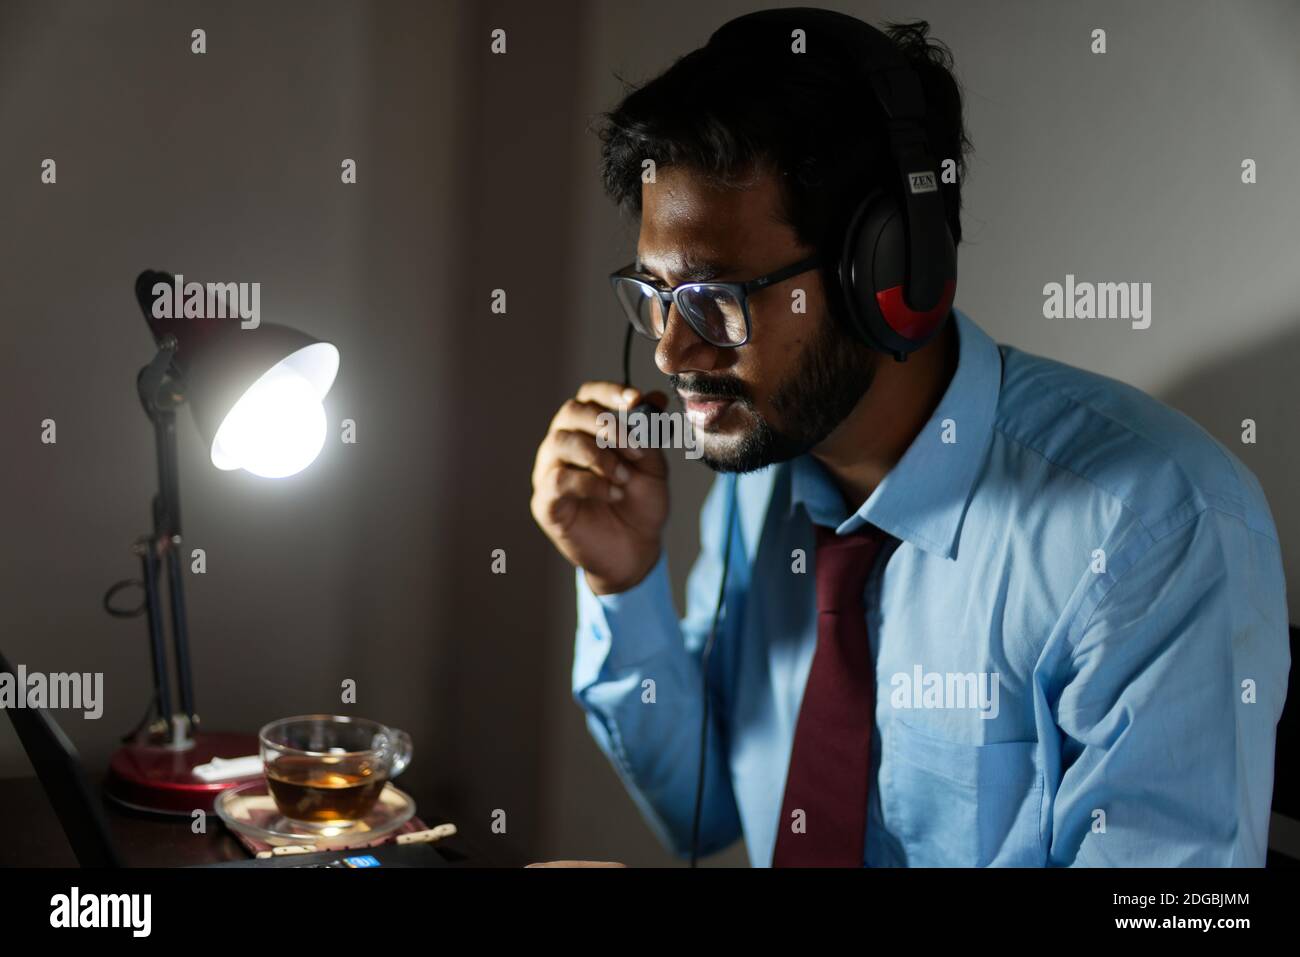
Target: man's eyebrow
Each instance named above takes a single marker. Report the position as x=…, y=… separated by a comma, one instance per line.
x=689, y=269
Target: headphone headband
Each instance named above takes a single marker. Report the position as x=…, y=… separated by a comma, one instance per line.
x=898, y=274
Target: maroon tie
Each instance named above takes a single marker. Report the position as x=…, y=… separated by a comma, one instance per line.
x=830, y=765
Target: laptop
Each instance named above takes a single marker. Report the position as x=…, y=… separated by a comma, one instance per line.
x=81, y=814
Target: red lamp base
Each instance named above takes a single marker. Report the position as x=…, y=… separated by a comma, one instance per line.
x=161, y=779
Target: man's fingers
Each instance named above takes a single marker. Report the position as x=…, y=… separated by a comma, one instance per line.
x=578, y=416
x=573, y=482
x=609, y=394
x=595, y=413
x=564, y=488
x=581, y=449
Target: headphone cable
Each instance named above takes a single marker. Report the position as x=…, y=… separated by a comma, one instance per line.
x=713, y=629
x=704, y=672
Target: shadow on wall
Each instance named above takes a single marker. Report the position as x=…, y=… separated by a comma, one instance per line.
x=1253, y=384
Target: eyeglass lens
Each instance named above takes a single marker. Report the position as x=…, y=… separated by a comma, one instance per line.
x=712, y=311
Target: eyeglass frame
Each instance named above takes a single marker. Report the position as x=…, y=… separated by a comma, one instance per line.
x=740, y=290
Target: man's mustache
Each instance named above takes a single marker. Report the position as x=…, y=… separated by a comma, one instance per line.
x=722, y=387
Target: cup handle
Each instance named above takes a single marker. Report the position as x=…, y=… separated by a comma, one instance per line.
x=402, y=750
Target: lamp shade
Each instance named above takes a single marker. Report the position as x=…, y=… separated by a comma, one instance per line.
x=255, y=392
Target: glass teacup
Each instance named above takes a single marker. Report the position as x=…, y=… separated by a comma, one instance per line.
x=328, y=770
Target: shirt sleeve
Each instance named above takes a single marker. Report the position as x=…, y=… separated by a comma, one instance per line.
x=637, y=675
x=1169, y=715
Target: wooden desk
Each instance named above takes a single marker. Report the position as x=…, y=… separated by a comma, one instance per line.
x=31, y=836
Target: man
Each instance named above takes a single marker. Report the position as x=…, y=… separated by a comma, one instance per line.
x=981, y=607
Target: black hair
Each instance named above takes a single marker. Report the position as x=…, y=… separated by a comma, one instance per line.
x=810, y=118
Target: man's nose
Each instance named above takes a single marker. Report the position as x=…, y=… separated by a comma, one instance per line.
x=681, y=349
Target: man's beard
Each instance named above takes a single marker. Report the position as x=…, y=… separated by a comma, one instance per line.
x=834, y=372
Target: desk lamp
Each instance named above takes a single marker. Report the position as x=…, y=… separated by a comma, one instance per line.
x=256, y=394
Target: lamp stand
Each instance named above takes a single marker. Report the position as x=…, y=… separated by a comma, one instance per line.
x=154, y=769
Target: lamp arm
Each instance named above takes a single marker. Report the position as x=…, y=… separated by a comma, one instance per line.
x=153, y=618
x=160, y=394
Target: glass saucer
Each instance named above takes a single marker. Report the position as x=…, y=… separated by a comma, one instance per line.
x=250, y=810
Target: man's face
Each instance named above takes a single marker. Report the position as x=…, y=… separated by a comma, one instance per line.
x=799, y=375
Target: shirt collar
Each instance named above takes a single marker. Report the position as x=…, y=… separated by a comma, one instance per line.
x=923, y=498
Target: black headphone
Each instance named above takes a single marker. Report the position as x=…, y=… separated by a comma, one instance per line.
x=898, y=265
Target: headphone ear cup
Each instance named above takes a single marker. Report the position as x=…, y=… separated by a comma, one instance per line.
x=866, y=228
x=873, y=273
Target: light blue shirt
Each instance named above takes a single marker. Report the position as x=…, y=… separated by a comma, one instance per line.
x=1080, y=639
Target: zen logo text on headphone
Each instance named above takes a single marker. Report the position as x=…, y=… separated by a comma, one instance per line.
x=922, y=182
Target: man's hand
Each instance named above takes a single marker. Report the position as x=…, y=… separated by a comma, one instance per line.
x=577, y=864
x=603, y=508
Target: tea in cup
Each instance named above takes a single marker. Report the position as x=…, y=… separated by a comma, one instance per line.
x=329, y=770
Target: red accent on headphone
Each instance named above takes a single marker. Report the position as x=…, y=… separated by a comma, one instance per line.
x=905, y=321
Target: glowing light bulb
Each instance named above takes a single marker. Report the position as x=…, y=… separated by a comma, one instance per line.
x=277, y=428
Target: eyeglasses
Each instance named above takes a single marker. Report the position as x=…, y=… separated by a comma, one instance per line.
x=717, y=311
